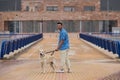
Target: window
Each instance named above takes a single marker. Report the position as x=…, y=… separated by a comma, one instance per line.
x=52, y=8
x=110, y=5
x=69, y=8
x=89, y=8
x=10, y=5
x=27, y=8
x=69, y=0
x=36, y=8
x=51, y=0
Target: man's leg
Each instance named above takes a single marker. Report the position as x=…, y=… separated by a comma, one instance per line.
x=63, y=58
x=68, y=61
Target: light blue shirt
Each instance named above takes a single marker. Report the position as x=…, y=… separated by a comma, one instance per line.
x=64, y=36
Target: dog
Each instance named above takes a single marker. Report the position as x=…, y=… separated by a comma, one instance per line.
x=47, y=58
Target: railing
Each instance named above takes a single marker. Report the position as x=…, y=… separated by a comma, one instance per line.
x=8, y=46
x=107, y=44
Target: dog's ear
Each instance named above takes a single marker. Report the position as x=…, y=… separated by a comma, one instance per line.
x=41, y=50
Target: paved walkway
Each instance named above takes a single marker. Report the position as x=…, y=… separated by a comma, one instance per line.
x=87, y=62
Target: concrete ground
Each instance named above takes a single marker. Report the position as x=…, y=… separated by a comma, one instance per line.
x=88, y=63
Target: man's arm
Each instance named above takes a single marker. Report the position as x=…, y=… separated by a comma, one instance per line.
x=60, y=44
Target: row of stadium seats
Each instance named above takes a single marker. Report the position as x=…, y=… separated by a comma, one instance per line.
x=8, y=46
x=107, y=44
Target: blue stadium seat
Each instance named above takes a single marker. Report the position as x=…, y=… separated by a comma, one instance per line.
x=11, y=46
x=114, y=46
x=3, y=49
x=15, y=44
x=109, y=43
x=7, y=51
x=118, y=48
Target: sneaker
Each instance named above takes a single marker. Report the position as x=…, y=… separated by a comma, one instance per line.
x=69, y=70
x=60, y=71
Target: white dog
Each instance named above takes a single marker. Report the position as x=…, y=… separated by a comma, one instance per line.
x=47, y=58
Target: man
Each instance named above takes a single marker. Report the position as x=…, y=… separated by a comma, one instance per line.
x=63, y=46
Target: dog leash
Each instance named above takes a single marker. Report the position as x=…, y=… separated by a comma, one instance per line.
x=51, y=52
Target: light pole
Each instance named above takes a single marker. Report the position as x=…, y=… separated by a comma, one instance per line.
x=108, y=15
x=15, y=22
x=1, y=19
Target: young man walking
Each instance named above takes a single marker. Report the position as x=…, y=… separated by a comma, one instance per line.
x=63, y=47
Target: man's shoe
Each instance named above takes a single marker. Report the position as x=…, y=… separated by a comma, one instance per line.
x=69, y=70
x=60, y=71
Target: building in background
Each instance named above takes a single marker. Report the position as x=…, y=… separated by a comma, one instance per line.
x=35, y=16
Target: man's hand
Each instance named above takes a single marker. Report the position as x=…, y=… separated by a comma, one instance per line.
x=56, y=49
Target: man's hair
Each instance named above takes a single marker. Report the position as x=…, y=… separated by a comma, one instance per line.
x=59, y=23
